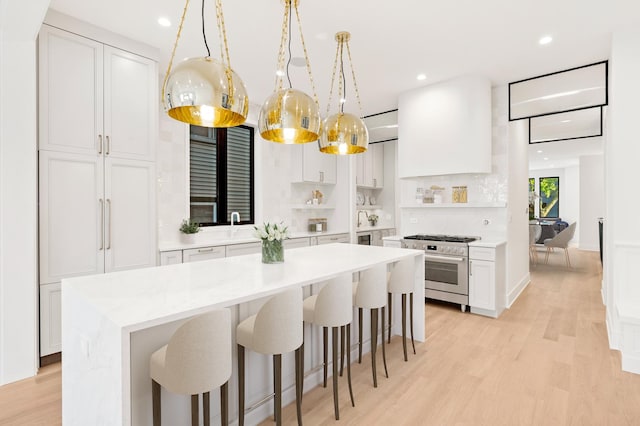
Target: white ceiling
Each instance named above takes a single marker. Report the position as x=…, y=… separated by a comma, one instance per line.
x=562, y=154
x=392, y=41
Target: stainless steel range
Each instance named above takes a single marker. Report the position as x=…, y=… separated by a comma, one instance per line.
x=446, y=266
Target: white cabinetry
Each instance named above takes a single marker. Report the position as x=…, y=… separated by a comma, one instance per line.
x=295, y=243
x=95, y=99
x=97, y=132
x=171, y=257
x=486, y=280
x=50, y=315
x=241, y=249
x=311, y=165
x=203, y=253
x=370, y=167
x=329, y=239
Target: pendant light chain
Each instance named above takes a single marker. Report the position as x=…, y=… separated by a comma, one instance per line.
x=353, y=75
x=284, y=35
x=342, y=82
x=306, y=55
x=224, y=54
x=175, y=47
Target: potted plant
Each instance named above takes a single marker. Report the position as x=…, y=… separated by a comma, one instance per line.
x=188, y=231
x=373, y=219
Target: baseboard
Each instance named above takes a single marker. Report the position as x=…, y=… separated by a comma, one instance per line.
x=614, y=337
x=631, y=363
x=515, y=293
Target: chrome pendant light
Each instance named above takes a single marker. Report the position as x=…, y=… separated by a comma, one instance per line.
x=289, y=115
x=205, y=91
x=343, y=133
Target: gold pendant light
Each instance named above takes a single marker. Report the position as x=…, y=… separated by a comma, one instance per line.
x=205, y=91
x=290, y=116
x=343, y=133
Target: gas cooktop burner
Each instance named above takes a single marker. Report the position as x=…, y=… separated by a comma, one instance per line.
x=445, y=238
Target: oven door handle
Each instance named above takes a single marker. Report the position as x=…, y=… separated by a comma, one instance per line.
x=445, y=258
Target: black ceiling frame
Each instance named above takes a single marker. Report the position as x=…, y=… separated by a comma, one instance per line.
x=568, y=139
x=380, y=113
x=606, y=91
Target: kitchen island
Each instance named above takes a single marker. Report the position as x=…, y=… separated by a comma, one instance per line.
x=111, y=324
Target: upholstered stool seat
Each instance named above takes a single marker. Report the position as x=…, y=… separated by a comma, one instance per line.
x=196, y=360
x=332, y=307
x=274, y=330
x=370, y=293
x=401, y=281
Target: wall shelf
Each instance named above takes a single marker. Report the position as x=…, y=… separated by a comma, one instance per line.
x=453, y=205
x=369, y=207
x=312, y=207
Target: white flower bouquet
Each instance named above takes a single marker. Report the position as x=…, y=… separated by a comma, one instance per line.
x=272, y=236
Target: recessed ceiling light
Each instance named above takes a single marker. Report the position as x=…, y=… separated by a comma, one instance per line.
x=546, y=158
x=162, y=21
x=421, y=77
x=539, y=151
x=545, y=40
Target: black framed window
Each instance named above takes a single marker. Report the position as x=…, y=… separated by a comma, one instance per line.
x=549, y=204
x=221, y=175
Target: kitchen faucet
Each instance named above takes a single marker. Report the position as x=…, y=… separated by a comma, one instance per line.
x=237, y=216
x=365, y=213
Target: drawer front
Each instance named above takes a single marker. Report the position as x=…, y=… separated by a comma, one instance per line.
x=203, y=253
x=329, y=239
x=482, y=253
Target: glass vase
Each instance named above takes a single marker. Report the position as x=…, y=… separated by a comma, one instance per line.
x=272, y=251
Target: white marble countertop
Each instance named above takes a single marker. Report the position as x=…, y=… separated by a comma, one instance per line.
x=142, y=298
x=242, y=238
x=487, y=243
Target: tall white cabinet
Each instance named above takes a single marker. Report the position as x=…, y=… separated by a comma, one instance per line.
x=370, y=167
x=97, y=133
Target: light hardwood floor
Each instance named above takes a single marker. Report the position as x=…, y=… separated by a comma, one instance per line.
x=544, y=362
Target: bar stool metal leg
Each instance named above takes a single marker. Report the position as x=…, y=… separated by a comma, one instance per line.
x=240, y=385
x=194, y=410
x=206, y=415
x=341, y=349
x=390, y=303
x=353, y=404
x=359, y=335
x=334, y=350
x=156, y=400
x=325, y=353
x=411, y=321
x=374, y=344
x=299, y=356
x=224, y=403
x=404, y=325
x=384, y=354
x=277, y=390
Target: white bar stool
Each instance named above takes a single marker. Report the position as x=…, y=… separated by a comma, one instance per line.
x=370, y=293
x=196, y=360
x=274, y=330
x=332, y=307
x=401, y=281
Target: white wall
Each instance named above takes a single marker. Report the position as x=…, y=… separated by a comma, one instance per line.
x=591, y=200
x=518, y=208
x=19, y=25
x=622, y=233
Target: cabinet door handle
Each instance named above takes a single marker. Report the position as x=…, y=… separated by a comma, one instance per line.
x=321, y=176
x=108, y=145
x=109, y=227
x=99, y=144
x=470, y=268
x=375, y=183
x=205, y=250
x=101, y=223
